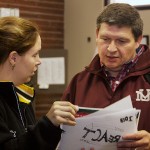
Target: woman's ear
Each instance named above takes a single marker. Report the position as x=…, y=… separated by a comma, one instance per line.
x=13, y=57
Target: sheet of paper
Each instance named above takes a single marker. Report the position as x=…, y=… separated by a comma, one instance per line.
x=101, y=133
x=122, y=104
x=51, y=71
x=101, y=129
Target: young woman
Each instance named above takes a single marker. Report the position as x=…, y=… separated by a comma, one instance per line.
x=20, y=44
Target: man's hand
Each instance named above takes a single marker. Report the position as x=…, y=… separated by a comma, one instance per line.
x=138, y=141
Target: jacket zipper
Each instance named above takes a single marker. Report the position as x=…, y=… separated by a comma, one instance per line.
x=17, y=99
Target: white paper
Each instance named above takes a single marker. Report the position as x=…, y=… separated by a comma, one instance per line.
x=123, y=104
x=51, y=71
x=101, y=130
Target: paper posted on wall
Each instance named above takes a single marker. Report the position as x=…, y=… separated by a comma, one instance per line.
x=100, y=129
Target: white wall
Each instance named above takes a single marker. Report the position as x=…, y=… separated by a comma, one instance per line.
x=145, y=15
x=80, y=23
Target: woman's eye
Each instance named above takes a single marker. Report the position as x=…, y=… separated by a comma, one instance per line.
x=35, y=55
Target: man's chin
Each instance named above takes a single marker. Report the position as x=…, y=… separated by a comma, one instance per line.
x=113, y=68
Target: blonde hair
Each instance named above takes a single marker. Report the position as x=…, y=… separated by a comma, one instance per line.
x=16, y=34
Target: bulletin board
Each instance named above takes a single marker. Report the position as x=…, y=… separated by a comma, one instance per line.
x=53, y=88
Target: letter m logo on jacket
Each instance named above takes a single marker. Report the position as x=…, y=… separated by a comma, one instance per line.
x=141, y=96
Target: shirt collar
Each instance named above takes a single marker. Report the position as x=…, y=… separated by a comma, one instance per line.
x=25, y=93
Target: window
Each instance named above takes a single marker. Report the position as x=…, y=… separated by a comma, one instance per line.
x=141, y=5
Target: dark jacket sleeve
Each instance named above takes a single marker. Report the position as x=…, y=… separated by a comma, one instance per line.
x=46, y=135
x=42, y=136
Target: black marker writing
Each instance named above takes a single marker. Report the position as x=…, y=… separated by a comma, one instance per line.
x=101, y=136
x=126, y=118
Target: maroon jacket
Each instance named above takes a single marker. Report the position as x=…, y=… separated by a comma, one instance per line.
x=90, y=88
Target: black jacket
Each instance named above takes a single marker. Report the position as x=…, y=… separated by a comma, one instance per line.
x=18, y=127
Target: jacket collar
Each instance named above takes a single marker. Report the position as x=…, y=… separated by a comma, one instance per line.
x=94, y=66
x=12, y=94
x=25, y=93
x=8, y=94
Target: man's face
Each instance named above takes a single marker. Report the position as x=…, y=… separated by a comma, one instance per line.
x=116, y=45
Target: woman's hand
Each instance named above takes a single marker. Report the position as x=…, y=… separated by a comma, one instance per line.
x=62, y=112
x=139, y=141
